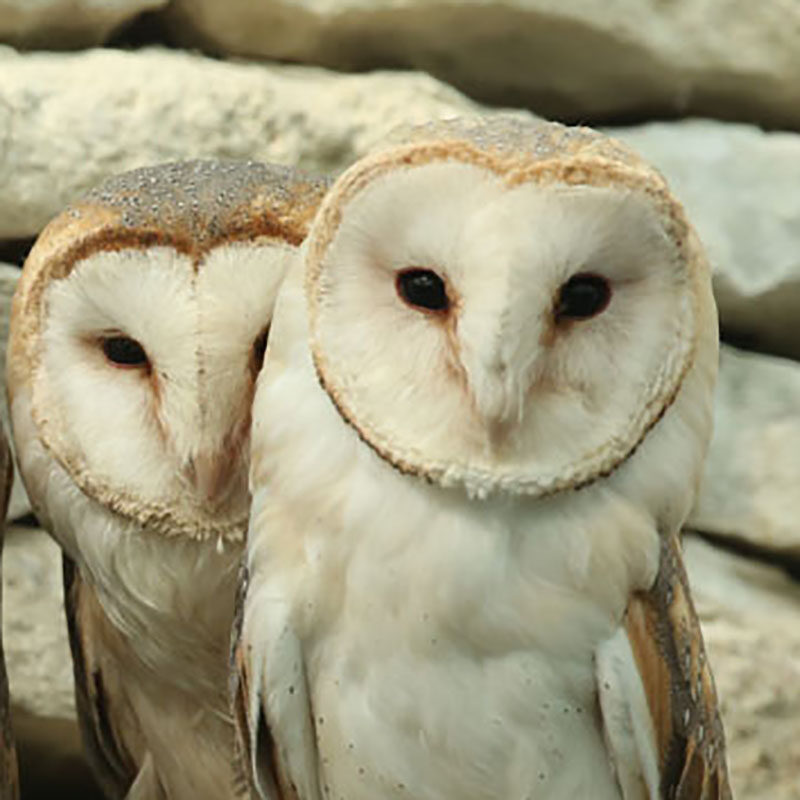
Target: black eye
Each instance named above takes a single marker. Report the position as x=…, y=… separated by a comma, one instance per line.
x=259, y=348
x=422, y=288
x=582, y=296
x=124, y=351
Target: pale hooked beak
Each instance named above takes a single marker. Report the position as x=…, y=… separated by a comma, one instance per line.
x=498, y=388
x=212, y=474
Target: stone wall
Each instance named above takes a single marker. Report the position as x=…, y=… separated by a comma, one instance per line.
x=708, y=91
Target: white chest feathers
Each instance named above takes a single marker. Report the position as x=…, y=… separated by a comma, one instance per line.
x=449, y=653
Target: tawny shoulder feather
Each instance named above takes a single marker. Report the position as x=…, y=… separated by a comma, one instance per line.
x=661, y=672
x=112, y=764
x=276, y=750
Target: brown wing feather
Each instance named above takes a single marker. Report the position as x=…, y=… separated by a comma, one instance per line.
x=113, y=766
x=667, y=645
x=258, y=764
x=240, y=693
x=9, y=771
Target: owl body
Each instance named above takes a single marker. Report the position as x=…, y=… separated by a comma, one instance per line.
x=137, y=332
x=464, y=581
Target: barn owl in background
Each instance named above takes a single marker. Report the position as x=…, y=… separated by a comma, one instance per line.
x=493, y=375
x=9, y=773
x=138, y=328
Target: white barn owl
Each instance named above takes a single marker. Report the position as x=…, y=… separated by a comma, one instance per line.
x=137, y=331
x=493, y=373
x=9, y=771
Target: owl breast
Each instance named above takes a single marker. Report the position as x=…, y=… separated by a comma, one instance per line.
x=462, y=666
x=453, y=726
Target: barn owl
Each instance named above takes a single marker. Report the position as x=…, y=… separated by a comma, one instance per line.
x=137, y=330
x=493, y=373
x=9, y=774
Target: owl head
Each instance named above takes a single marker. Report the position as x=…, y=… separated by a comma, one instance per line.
x=502, y=305
x=138, y=328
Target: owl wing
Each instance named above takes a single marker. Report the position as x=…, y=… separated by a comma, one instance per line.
x=277, y=750
x=246, y=732
x=657, y=696
x=112, y=765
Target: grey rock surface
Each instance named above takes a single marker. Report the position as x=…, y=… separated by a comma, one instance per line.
x=69, y=121
x=565, y=58
x=18, y=504
x=740, y=188
x=751, y=487
x=52, y=24
x=34, y=627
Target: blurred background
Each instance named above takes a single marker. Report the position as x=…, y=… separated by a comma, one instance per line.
x=707, y=90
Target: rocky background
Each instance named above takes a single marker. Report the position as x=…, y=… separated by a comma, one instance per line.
x=709, y=91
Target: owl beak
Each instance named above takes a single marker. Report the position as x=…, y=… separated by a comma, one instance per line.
x=498, y=392
x=211, y=474
x=499, y=360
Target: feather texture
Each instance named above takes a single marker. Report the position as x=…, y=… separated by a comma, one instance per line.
x=112, y=764
x=668, y=652
x=459, y=517
x=137, y=463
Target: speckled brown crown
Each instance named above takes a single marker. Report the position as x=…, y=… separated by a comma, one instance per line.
x=192, y=207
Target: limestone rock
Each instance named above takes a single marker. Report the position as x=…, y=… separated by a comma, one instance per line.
x=34, y=626
x=739, y=186
x=69, y=121
x=573, y=59
x=18, y=504
x=751, y=487
x=749, y=614
x=66, y=23
x=51, y=761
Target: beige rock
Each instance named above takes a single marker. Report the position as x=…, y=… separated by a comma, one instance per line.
x=18, y=505
x=739, y=186
x=69, y=121
x=51, y=762
x=751, y=487
x=34, y=626
x=749, y=614
x=575, y=59
x=66, y=23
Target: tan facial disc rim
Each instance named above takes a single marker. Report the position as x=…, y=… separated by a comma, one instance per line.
x=513, y=171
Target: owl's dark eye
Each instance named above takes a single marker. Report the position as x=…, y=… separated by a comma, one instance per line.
x=260, y=348
x=583, y=296
x=124, y=351
x=422, y=288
